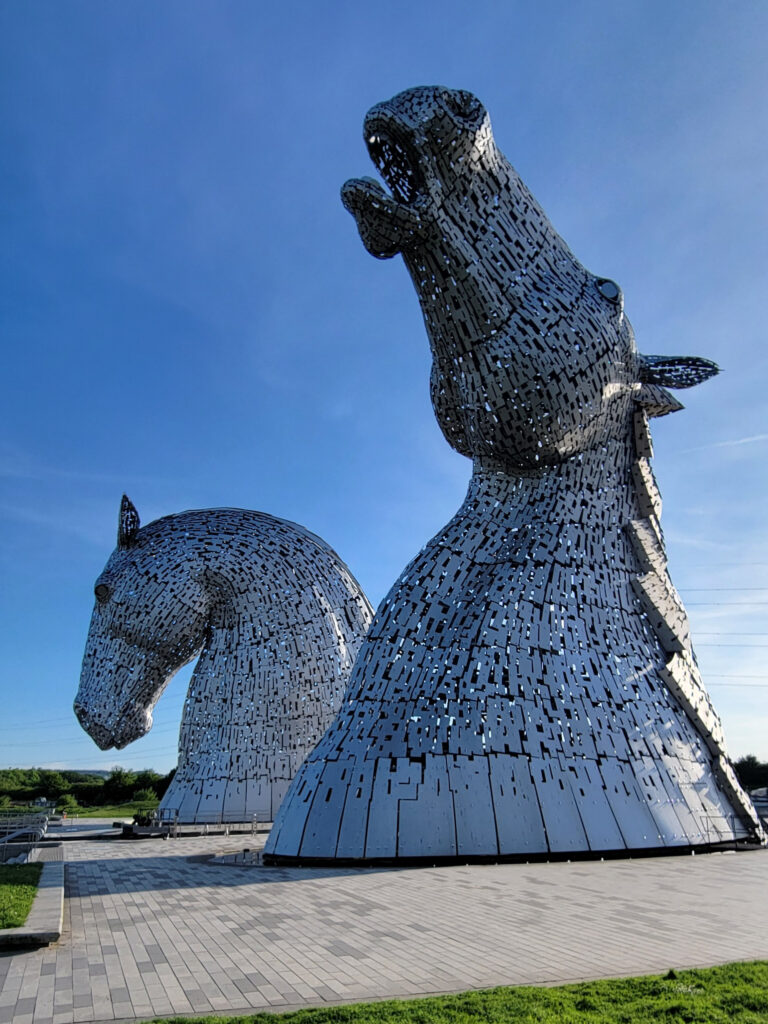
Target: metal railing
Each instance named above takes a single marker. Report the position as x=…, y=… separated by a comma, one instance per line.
x=205, y=822
x=20, y=834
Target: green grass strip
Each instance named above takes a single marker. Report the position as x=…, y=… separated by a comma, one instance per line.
x=18, y=888
x=732, y=994
x=109, y=811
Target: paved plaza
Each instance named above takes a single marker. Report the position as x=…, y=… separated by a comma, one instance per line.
x=155, y=928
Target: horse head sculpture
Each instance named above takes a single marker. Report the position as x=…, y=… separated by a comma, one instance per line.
x=276, y=619
x=146, y=625
x=528, y=686
x=534, y=358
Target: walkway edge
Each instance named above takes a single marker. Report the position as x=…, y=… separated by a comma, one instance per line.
x=44, y=923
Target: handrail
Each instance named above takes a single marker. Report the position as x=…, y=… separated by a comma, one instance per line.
x=38, y=834
x=26, y=830
x=169, y=818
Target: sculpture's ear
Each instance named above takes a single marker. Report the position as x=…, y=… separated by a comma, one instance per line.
x=676, y=371
x=128, y=524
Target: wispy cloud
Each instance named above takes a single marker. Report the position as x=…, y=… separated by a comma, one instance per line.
x=680, y=539
x=72, y=526
x=735, y=443
x=44, y=473
x=16, y=463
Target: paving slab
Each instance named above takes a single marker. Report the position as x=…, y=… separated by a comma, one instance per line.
x=163, y=927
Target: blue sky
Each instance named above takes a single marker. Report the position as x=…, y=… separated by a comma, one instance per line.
x=189, y=315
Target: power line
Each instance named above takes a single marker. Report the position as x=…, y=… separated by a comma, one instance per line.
x=748, y=686
x=73, y=736
x=718, y=675
x=45, y=721
x=724, y=565
x=738, y=646
x=72, y=723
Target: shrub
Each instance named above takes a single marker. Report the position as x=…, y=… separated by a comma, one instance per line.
x=145, y=796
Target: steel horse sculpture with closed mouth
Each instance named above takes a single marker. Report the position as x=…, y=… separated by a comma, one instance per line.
x=275, y=619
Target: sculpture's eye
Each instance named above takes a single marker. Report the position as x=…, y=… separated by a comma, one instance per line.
x=102, y=592
x=462, y=104
x=609, y=289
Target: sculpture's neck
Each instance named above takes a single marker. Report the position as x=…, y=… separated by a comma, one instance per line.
x=227, y=617
x=595, y=490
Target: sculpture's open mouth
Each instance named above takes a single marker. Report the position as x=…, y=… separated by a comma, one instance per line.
x=397, y=164
x=388, y=224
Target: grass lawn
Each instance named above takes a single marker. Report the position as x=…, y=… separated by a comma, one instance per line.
x=733, y=994
x=18, y=887
x=111, y=811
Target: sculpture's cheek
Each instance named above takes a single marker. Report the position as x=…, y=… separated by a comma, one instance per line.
x=119, y=684
x=151, y=614
x=531, y=399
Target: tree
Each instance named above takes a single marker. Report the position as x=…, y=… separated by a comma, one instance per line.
x=148, y=779
x=752, y=774
x=52, y=785
x=119, y=786
x=163, y=783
